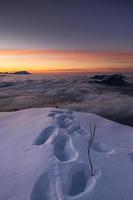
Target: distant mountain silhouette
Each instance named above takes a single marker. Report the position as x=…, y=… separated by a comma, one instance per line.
x=18, y=72
x=22, y=72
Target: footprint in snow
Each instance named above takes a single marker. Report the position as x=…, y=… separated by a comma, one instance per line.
x=45, y=135
x=131, y=156
x=41, y=189
x=73, y=129
x=79, y=182
x=63, y=148
x=63, y=121
x=54, y=112
x=100, y=148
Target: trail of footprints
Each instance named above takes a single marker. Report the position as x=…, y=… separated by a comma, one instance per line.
x=65, y=157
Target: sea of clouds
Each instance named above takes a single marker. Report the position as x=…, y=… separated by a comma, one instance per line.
x=75, y=92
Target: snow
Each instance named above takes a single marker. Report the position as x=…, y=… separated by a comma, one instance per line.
x=43, y=154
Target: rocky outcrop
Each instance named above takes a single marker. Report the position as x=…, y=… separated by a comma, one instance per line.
x=110, y=80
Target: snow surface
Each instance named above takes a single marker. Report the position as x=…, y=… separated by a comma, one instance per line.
x=43, y=156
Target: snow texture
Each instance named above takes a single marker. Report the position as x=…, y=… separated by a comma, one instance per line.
x=43, y=155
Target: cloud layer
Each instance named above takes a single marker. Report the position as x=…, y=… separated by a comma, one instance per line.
x=71, y=92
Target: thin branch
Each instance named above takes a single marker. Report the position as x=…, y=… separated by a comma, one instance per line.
x=92, y=135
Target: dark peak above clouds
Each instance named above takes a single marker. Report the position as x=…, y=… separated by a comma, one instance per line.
x=22, y=72
x=111, y=80
x=18, y=72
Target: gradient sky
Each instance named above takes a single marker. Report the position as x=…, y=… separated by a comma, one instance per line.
x=43, y=35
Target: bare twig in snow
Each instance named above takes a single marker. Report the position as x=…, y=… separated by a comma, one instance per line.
x=92, y=135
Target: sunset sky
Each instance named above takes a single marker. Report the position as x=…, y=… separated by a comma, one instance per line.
x=66, y=35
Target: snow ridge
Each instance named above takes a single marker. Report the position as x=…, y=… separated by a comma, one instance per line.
x=44, y=156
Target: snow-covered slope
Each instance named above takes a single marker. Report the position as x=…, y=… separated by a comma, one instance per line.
x=43, y=156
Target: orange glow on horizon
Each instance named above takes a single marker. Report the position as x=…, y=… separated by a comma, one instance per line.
x=63, y=61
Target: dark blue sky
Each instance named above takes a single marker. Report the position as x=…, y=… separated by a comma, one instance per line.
x=67, y=24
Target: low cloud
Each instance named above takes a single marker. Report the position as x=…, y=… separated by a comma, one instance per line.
x=71, y=92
